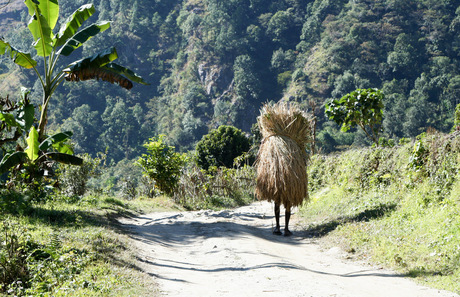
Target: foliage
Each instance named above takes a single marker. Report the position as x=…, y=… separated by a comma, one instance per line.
x=43, y=18
x=220, y=147
x=30, y=164
x=14, y=202
x=73, y=181
x=10, y=128
x=457, y=117
x=376, y=204
x=212, y=63
x=162, y=164
x=363, y=108
x=419, y=155
x=60, y=249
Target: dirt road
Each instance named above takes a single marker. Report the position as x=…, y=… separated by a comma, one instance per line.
x=233, y=253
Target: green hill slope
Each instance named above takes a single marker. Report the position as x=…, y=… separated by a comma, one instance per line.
x=395, y=206
x=215, y=62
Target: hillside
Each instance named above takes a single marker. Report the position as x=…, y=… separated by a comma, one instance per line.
x=213, y=62
x=394, y=206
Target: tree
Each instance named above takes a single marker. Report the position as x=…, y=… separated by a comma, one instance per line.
x=162, y=164
x=457, y=118
x=279, y=26
x=44, y=16
x=247, y=84
x=402, y=55
x=221, y=146
x=86, y=127
x=121, y=133
x=362, y=107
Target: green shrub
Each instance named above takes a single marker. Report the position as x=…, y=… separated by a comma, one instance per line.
x=74, y=179
x=221, y=146
x=162, y=164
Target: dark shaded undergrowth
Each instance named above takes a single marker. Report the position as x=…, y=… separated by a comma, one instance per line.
x=69, y=249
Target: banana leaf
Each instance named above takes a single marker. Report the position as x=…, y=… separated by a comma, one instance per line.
x=32, y=142
x=11, y=160
x=73, y=23
x=48, y=8
x=63, y=148
x=65, y=159
x=81, y=37
x=56, y=138
x=20, y=58
x=125, y=72
x=40, y=27
x=95, y=61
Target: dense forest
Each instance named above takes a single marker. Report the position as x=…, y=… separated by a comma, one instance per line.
x=212, y=63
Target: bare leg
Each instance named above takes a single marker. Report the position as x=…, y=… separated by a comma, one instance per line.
x=277, y=230
x=287, y=218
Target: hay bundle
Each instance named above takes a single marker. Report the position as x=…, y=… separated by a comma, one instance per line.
x=282, y=159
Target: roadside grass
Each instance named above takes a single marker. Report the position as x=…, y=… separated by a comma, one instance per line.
x=72, y=247
x=381, y=205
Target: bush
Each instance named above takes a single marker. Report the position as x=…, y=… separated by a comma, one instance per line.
x=220, y=147
x=162, y=164
x=74, y=179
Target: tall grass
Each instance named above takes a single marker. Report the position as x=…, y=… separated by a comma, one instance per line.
x=396, y=206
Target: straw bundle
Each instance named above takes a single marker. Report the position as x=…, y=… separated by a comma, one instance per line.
x=281, y=162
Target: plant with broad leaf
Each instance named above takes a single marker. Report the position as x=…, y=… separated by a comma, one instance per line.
x=50, y=46
x=363, y=108
x=28, y=153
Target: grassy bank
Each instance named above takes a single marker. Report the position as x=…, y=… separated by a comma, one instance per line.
x=70, y=248
x=395, y=206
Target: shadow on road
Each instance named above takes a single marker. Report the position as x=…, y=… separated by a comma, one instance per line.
x=174, y=229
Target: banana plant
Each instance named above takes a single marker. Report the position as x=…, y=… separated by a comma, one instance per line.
x=19, y=118
x=36, y=153
x=51, y=46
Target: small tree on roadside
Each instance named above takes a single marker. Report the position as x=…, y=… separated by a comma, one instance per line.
x=363, y=108
x=221, y=146
x=162, y=164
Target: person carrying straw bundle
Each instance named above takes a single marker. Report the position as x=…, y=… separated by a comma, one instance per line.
x=282, y=159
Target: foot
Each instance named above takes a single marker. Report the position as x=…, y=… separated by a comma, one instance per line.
x=277, y=231
x=287, y=232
